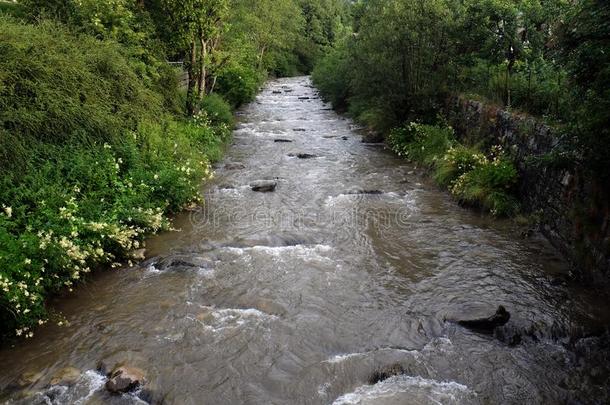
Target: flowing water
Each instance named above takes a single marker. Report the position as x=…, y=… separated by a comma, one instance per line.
x=356, y=264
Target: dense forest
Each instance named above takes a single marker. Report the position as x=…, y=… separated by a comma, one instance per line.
x=547, y=58
x=100, y=140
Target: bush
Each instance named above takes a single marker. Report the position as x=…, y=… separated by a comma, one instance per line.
x=239, y=84
x=331, y=76
x=489, y=185
x=81, y=206
x=218, y=110
x=457, y=161
x=91, y=160
x=471, y=177
x=56, y=88
x=421, y=143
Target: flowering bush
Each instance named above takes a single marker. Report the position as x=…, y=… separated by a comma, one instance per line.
x=472, y=177
x=489, y=184
x=457, y=161
x=78, y=208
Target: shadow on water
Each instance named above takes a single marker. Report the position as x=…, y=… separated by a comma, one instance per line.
x=341, y=286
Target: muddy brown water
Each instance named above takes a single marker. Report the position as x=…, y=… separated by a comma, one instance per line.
x=301, y=295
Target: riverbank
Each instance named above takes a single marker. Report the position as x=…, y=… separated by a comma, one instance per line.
x=95, y=158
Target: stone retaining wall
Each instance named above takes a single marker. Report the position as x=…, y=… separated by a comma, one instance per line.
x=573, y=210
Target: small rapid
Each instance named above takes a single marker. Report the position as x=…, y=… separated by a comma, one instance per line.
x=341, y=286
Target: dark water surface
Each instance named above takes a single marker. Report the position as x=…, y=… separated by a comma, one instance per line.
x=300, y=295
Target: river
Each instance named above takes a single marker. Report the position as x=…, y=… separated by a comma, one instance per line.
x=354, y=265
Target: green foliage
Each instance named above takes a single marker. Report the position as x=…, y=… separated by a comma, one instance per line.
x=91, y=159
x=489, y=185
x=15, y=10
x=425, y=144
x=471, y=177
x=239, y=84
x=218, y=110
x=331, y=75
x=56, y=87
x=81, y=206
x=457, y=161
x=585, y=49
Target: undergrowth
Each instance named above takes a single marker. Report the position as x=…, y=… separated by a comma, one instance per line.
x=93, y=159
x=472, y=177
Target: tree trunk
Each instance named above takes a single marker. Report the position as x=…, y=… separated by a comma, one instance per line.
x=192, y=83
x=202, y=82
x=260, y=58
x=213, y=85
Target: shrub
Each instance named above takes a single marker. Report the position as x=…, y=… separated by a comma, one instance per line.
x=471, y=177
x=217, y=110
x=489, y=185
x=239, y=84
x=331, y=76
x=81, y=206
x=56, y=87
x=457, y=161
x=421, y=143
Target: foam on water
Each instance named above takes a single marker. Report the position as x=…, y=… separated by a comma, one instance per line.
x=226, y=318
x=408, y=389
x=306, y=252
x=339, y=358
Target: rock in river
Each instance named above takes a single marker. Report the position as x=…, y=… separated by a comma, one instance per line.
x=124, y=379
x=235, y=166
x=66, y=376
x=280, y=140
x=302, y=155
x=263, y=186
x=487, y=325
x=386, y=372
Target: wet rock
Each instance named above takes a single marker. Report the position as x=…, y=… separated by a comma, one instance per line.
x=329, y=136
x=124, y=379
x=299, y=129
x=302, y=155
x=66, y=376
x=235, y=166
x=150, y=396
x=280, y=140
x=369, y=192
x=487, y=325
x=304, y=98
x=288, y=90
x=263, y=186
x=226, y=187
x=386, y=372
x=277, y=92
x=27, y=379
x=345, y=138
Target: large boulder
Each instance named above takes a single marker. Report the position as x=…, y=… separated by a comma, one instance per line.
x=263, y=186
x=124, y=379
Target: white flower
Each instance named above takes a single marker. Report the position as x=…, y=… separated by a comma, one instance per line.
x=8, y=211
